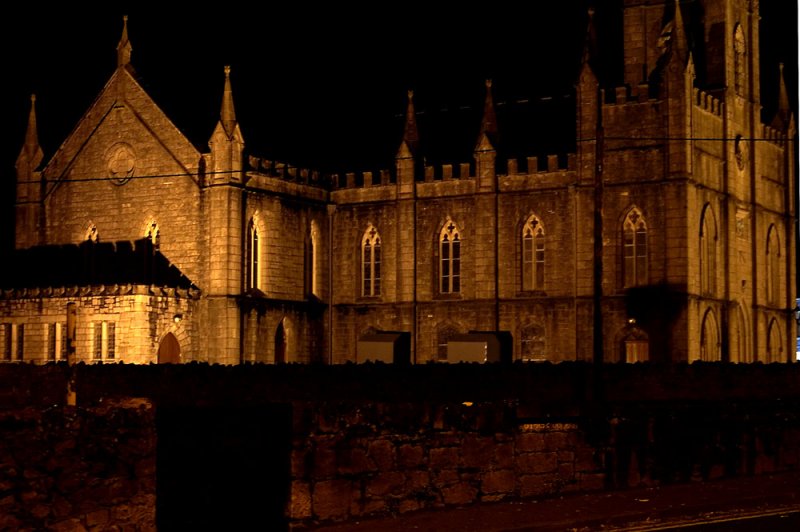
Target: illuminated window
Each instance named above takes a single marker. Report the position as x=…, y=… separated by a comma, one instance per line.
x=533, y=254
x=708, y=251
x=772, y=273
x=635, y=248
x=253, y=252
x=739, y=52
x=450, y=259
x=91, y=233
x=371, y=263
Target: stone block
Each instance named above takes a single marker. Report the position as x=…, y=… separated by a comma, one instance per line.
x=410, y=456
x=354, y=461
x=501, y=481
x=300, y=502
x=98, y=518
x=330, y=499
x=534, y=485
x=476, y=451
x=385, y=483
x=459, y=493
x=530, y=442
x=556, y=441
x=324, y=460
x=381, y=452
x=503, y=455
x=443, y=458
x=532, y=463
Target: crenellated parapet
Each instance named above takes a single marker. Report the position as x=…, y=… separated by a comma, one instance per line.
x=287, y=172
x=72, y=291
x=708, y=102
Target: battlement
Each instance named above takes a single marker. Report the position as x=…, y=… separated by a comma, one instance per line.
x=770, y=134
x=538, y=165
x=287, y=172
x=625, y=94
x=708, y=102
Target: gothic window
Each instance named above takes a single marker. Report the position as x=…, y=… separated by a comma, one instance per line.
x=708, y=251
x=449, y=259
x=774, y=345
x=445, y=334
x=153, y=233
x=533, y=254
x=709, y=338
x=635, y=346
x=634, y=232
x=739, y=51
x=252, y=255
x=532, y=344
x=739, y=348
x=371, y=263
x=772, y=272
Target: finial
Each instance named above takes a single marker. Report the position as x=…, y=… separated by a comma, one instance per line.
x=227, y=113
x=410, y=133
x=33, y=96
x=227, y=71
x=31, y=152
x=488, y=84
x=411, y=92
x=124, y=47
x=489, y=121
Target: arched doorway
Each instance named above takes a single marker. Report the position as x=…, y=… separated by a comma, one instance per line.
x=280, y=343
x=169, y=350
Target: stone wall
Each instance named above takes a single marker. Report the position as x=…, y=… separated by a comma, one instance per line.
x=68, y=468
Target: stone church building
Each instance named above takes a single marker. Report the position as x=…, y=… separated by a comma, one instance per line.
x=671, y=228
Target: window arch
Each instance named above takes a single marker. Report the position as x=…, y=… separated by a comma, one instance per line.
x=739, y=348
x=772, y=273
x=153, y=233
x=371, y=263
x=739, y=52
x=450, y=259
x=708, y=251
x=774, y=343
x=709, y=338
x=532, y=343
x=533, y=254
x=252, y=256
x=634, y=232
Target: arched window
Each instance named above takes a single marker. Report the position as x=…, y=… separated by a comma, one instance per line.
x=634, y=232
x=772, y=273
x=739, y=348
x=739, y=52
x=774, y=344
x=450, y=259
x=709, y=338
x=444, y=335
x=533, y=254
x=532, y=344
x=708, y=251
x=153, y=233
x=280, y=343
x=252, y=255
x=371, y=263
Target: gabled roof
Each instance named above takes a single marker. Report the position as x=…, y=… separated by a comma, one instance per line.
x=89, y=263
x=123, y=89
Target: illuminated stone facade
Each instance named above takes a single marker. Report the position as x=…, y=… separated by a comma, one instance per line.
x=697, y=223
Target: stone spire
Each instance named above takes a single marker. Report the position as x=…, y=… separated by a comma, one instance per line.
x=590, y=41
x=124, y=47
x=227, y=114
x=783, y=116
x=679, y=46
x=410, y=133
x=489, y=121
x=31, y=154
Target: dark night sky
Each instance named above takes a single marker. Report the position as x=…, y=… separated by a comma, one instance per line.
x=321, y=86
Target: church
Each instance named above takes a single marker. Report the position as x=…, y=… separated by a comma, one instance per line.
x=666, y=235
